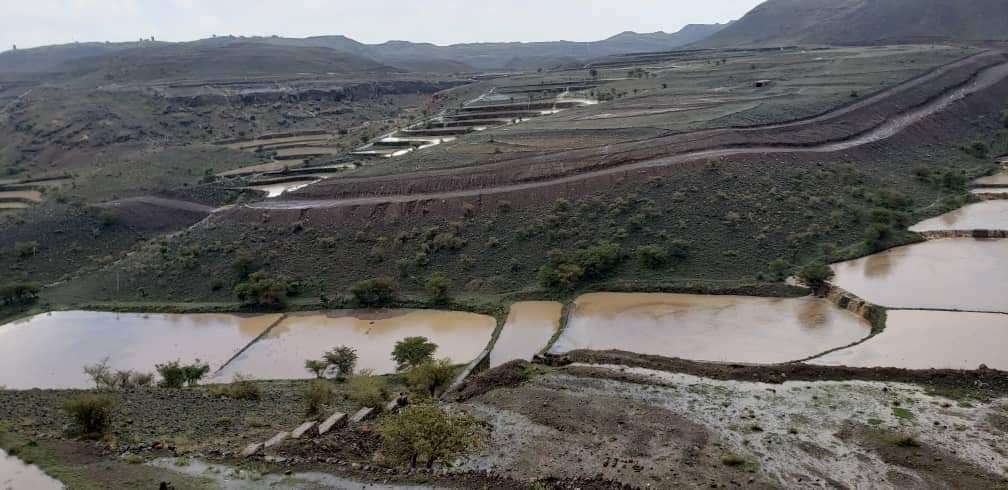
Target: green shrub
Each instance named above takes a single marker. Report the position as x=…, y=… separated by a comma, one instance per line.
x=25, y=249
x=318, y=394
x=651, y=256
x=374, y=292
x=438, y=285
x=425, y=431
x=261, y=289
x=343, y=359
x=176, y=375
x=413, y=351
x=815, y=274
x=91, y=413
x=430, y=377
x=876, y=234
x=978, y=149
x=367, y=389
x=316, y=367
x=241, y=387
x=19, y=292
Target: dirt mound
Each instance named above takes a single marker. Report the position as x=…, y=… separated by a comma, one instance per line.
x=511, y=373
x=857, y=22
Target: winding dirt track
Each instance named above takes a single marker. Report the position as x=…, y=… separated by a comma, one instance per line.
x=985, y=78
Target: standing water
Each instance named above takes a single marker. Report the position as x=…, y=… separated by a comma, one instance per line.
x=17, y=475
x=50, y=350
x=986, y=215
x=282, y=353
x=710, y=328
x=529, y=326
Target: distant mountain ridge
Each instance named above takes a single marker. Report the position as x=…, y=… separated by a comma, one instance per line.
x=864, y=22
x=401, y=55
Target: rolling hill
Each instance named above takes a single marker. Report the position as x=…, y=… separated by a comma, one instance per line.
x=864, y=22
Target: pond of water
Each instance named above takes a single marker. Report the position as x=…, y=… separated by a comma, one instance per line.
x=931, y=339
x=529, y=326
x=710, y=328
x=986, y=215
x=281, y=353
x=18, y=475
x=952, y=273
x=50, y=350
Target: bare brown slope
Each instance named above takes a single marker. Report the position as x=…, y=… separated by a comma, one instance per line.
x=864, y=22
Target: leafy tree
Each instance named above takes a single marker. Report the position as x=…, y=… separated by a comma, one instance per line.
x=176, y=375
x=431, y=376
x=651, y=256
x=244, y=263
x=815, y=274
x=100, y=373
x=316, y=367
x=19, y=292
x=374, y=292
x=195, y=372
x=779, y=268
x=437, y=287
x=426, y=431
x=413, y=351
x=876, y=234
x=342, y=358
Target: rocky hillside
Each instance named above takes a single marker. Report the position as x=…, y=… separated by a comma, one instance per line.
x=864, y=22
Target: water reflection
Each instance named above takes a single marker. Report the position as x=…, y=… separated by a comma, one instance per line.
x=282, y=353
x=931, y=339
x=954, y=273
x=529, y=327
x=49, y=350
x=710, y=328
x=985, y=215
x=17, y=475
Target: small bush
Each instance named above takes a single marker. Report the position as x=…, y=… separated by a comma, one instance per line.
x=430, y=377
x=318, y=394
x=651, y=256
x=90, y=412
x=19, y=292
x=732, y=460
x=25, y=249
x=342, y=359
x=374, y=292
x=241, y=388
x=261, y=289
x=367, y=389
x=100, y=373
x=413, y=351
x=438, y=286
x=426, y=431
x=316, y=367
x=815, y=274
x=176, y=375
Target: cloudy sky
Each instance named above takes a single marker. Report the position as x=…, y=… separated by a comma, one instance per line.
x=29, y=23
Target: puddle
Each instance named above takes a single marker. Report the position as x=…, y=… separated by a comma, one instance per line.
x=986, y=215
x=952, y=273
x=710, y=328
x=281, y=354
x=50, y=350
x=931, y=339
x=16, y=475
x=227, y=477
x=529, y=326
x=275, y=190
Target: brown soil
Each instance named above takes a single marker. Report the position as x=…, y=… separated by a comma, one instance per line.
x=986, y=382
x=508, y=374
x=935, y=466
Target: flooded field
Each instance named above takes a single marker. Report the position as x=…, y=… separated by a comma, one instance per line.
x=953, y=273
x=710, y=328
x=275, y=190
x=49, y=350
x=931, y=339
x=16, y=475
x=529, y=326
x=281, y=354
x=986, y=215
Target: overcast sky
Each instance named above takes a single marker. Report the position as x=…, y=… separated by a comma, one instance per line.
x=29, y=23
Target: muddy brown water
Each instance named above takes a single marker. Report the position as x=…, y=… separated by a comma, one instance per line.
x=931, y=339
x=18, y=475
x=529, y=326
x=1000, y=178
x=50, y=350
x=951, y=273
x=986, y=215
x=710, y=328
x=282, y=353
